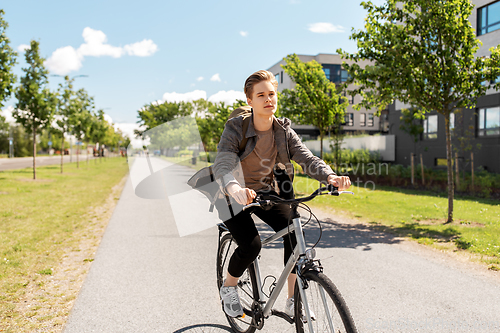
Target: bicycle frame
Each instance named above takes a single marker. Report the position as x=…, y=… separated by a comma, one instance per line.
x=298, y=258
x=299, y=251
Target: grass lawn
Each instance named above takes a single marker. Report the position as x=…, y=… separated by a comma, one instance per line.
x=186, y=161
x=421, y=216
x=40, y=219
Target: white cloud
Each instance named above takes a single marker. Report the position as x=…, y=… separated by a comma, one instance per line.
x=64, y=60
x=95, y=45
x=108, y=118
x=325, y=28
x=199, y=78
x=23, y=47
x=7, y=113
x=145, y=48
x=244, y=33
x=184, y=97
x=67, y=59
x=215, y=77
x=128, y=130
x=228, y=97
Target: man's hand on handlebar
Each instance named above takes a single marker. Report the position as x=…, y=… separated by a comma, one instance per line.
x=242, y=195
x=342, y=182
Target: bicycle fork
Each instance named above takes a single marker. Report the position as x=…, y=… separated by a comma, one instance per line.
x=299, y=251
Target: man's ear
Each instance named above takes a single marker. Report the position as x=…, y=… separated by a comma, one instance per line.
x=249, y=101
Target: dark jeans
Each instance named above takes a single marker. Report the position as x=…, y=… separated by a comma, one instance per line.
x=243, y=229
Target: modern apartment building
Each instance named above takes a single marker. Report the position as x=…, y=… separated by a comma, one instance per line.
x=478, y=128
x=363, y=121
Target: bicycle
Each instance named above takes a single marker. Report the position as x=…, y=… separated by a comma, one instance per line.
x=314, y=291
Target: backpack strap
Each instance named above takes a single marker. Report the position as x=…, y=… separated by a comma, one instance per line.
x=244, y=140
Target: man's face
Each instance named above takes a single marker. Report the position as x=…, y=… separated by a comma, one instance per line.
x=264, y=99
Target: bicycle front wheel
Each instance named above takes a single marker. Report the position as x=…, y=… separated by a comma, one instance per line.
x=328, y=309
x=247, y=285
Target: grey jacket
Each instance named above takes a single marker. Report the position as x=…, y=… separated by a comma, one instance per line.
x=288, y=145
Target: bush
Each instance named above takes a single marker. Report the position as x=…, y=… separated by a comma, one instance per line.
x=352, y=157
x=486, y=182
x=184, y=153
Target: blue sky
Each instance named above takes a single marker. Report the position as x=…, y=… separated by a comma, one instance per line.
x=135, y=52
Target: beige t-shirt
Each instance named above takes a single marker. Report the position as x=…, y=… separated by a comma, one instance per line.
x=258, y=166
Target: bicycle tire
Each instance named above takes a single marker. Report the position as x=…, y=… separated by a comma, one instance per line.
x=247, y=283
x=336, y=309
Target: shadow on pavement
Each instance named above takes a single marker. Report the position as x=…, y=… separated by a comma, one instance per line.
x=337, y=235
x=203, y=328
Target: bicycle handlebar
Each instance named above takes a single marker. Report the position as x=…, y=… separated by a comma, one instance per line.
x=332, y=190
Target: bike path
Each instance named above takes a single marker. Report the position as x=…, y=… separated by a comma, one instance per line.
x=145, y=278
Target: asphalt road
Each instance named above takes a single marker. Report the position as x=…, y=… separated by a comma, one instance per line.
x=145, y=278
x=26, y=162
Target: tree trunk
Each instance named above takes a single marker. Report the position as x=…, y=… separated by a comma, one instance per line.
x=62, y=152
x=449, y=155
x=321, y=134
x=34, y=151
x=412, y=159
x=422, y=168
x=77, y=156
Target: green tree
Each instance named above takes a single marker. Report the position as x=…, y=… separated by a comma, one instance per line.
x=48, y=134
x=35, y=102
x=4, y=135
x=98, y=131
x=154, y=114
x=211, y=123
x=315, y=100
x=80, y=120
x=422, y=54
x=462, y=135
x=66, y=110
x=7, y=61
x=22, y=144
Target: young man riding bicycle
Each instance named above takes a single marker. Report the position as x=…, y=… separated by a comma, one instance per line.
x=270, y=142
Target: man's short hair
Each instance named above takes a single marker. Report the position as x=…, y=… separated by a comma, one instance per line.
x=257, y=77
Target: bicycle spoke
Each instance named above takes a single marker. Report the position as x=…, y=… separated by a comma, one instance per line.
x=328, y=308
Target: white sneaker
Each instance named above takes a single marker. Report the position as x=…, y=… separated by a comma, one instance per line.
x=290, y=307
x=231, y=301
x=290, y=310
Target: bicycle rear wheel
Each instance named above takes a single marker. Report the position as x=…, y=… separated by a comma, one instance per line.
x=331, y=313
x=247, y=285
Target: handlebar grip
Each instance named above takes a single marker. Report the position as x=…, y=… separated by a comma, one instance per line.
x=332, y=188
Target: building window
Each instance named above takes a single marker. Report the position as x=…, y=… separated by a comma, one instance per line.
x=349, y=119
x=335, y=73
x=431, y=127
x=370, y=119
x=343, y=75
x=489, y=121
x=488, y=18
x=362, y=119
x=327, y=72
x=277, y=77
x=281, y=77
x=452, y=121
